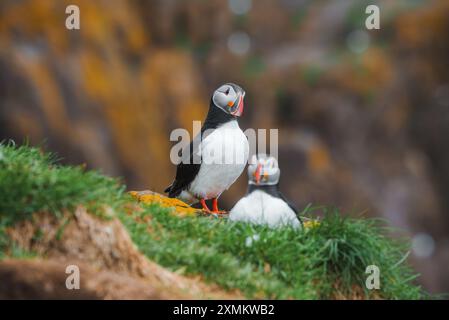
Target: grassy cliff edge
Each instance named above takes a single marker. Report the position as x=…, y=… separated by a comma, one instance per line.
x=324, y=261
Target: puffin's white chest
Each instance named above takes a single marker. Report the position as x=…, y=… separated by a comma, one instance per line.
x=224, y=156
x=261, y=208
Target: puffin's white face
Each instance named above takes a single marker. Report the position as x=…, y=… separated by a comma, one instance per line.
x=264, y=170
x=229, y=98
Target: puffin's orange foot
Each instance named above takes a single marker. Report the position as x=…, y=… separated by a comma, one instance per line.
x=205, y=207
x=215, y=209
x=220, y=212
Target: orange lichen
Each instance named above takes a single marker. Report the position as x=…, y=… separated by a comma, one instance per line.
x=318, y=158
x=180, y=207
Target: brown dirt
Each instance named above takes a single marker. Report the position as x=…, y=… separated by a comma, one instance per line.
x=45, y=279
x=103, y=250
x=357, y=293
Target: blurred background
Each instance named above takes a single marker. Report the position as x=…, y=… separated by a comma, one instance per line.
x=363, y=116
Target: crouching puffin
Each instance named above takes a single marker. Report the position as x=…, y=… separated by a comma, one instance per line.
x=217, y=156
x=263, y=203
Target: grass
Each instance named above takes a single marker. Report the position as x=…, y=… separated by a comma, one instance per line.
x=321, y=262
x=32, y=181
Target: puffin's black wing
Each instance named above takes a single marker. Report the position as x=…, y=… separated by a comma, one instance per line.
x=186, y=171
x=291, y=205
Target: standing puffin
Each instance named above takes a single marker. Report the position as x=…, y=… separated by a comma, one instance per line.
x=217, y=156
x=263, y=203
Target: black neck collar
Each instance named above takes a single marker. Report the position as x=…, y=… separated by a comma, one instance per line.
x=216, y=117
x=272, y=190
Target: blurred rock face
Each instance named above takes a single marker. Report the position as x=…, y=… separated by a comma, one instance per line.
x=362, y=114
x=102, y=95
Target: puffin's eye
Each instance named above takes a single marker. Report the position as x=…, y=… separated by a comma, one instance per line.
x=227, y=91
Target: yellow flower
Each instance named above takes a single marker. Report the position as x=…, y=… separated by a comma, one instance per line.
x=309, y=224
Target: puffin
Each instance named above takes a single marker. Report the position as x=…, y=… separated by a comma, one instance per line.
x=217, y=156
x=264, y=203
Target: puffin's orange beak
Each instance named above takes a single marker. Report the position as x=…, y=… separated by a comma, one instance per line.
x=257, y=173
x=239, y=108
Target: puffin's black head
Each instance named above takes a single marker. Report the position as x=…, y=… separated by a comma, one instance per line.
x=229, y=98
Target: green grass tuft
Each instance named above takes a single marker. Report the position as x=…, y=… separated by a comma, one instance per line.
x=283, y=263
x=31, y=181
